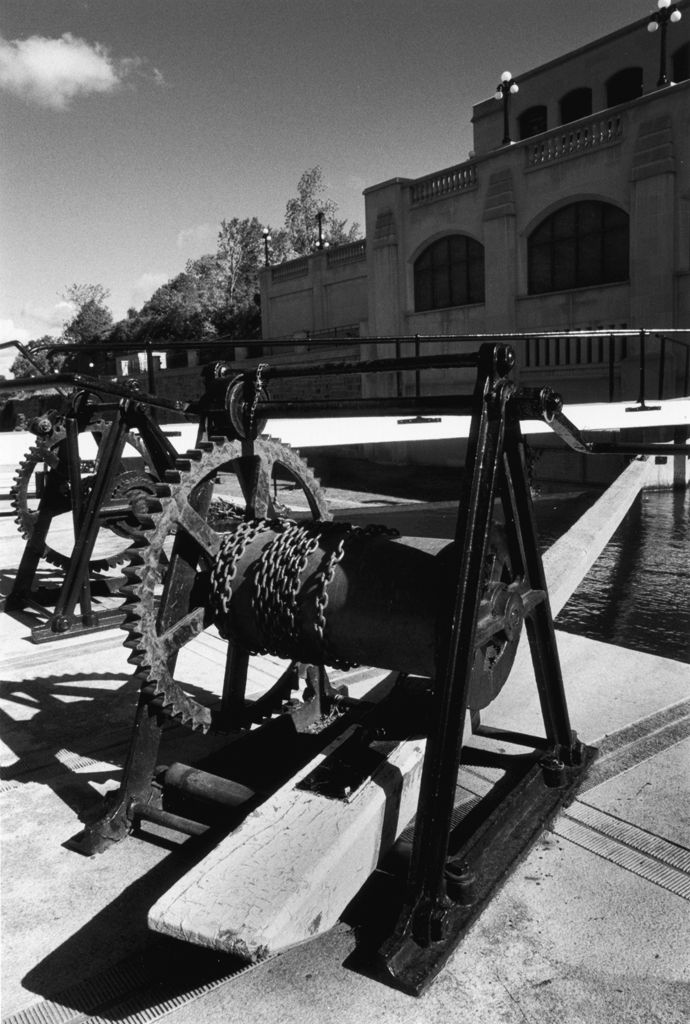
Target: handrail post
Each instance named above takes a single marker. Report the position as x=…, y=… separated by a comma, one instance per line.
x=612, y=359
x=642, y=381
x=662, y=367
x=417, y=388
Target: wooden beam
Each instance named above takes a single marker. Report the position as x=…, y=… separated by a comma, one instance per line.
x=286, y=874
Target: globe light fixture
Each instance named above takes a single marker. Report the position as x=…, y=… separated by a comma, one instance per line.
x=667, y=12
x=505, y=87
x=267, y=238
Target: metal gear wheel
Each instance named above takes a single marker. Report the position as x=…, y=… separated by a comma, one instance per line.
x=494, y=659
x=126, y=483
x=158, y=629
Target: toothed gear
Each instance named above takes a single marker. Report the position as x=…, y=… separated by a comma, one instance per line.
x=46, y=451
x=157, y=632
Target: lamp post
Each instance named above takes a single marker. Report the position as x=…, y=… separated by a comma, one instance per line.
x=267, y=238
x=667, y=12
x=321, y=244
x=503, y=91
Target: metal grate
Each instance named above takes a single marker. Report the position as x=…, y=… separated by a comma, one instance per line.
x=644, y=854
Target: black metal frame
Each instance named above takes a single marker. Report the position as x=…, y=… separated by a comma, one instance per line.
x=453, y=874
x=73, y=612
x=454, y=871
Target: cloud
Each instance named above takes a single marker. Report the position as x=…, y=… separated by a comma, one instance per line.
x=51, y=72
x=48, y=319
x=10, y=332
x=146, y=285
x=198, y=240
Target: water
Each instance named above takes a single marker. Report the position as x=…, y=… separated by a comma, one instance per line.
x=637, y=594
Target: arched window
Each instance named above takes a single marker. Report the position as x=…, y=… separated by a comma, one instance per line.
x=532, y=122
x=578, y=246
x=450, y=272
x=625, y=85
x=680, y=64
x=575, y=104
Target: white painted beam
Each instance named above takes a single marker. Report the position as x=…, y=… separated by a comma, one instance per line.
x=569, y=559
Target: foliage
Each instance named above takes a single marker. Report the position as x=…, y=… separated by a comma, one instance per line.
x=91, y=324
x=301, y=220
x=22, y=367
x=215, y=296
x=81, y=294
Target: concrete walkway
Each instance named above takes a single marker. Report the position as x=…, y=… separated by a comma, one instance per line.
x=593, y=926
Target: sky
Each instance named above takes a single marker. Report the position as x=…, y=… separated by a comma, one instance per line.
x=132, y=128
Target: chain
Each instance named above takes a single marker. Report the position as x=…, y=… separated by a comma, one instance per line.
x=324, y=578
x=232, y=547
x=258, y=374
x=277, y=584
x=277, y=579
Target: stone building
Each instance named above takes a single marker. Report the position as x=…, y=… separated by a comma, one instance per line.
x=580, y=222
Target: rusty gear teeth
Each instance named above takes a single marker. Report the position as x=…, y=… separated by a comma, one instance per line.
x=166, y=511
x=45, y=451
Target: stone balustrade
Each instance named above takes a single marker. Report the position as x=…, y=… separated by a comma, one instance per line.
x=566, y=142
x=292, y=268
x=348, y=253
x=455, y=179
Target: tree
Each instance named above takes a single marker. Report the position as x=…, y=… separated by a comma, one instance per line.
x=215, y=296
x=80, y=294
x=239, y=258
x=91, y=324
x=301, y=221
x=22, y=367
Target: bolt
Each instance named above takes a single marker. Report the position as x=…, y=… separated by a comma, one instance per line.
x=505, y=360
x=461, y=883
x=553, y=771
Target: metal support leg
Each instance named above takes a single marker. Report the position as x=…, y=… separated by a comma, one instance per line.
x=539, y=623
x=452, y=876
x=425, y=917
x=116, y=822
x=20, y=594
x=78, y=569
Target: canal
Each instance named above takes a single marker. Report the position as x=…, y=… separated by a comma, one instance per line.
x=637, y=594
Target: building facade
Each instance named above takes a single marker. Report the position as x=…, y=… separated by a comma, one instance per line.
x=580, y=222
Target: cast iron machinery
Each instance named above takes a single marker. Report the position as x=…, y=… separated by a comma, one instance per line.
x=327, y=595
x=51, y=450
x=107, y=496
x=104, y=496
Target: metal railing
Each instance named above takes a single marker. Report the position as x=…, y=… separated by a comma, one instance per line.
x=546, y=349
x=609, y=348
